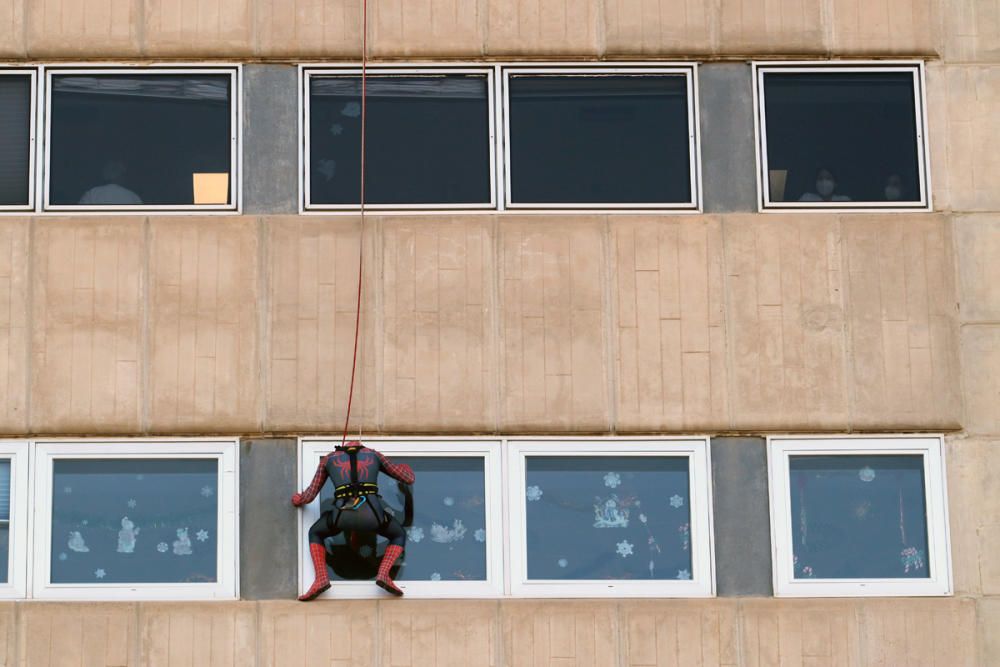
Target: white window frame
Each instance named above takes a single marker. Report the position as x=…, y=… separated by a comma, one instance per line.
x=688, y=71
x=930, y=447
x=306, y=72
x=20, y=483
x=914, y=67
x=223, y=450
x=696, y=450
x=234, y=71
x=32, y=73
x=312, y=449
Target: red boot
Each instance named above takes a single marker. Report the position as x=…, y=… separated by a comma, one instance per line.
x=322, y=583
x=383, y=579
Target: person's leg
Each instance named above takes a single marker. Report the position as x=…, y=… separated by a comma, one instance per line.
x=318, y=532
x=394, y=532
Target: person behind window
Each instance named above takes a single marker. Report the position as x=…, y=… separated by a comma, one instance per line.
x=825, y=186
x=894, y=188
x=111, y=193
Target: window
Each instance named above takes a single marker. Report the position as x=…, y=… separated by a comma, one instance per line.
x=601, y=138
x=454, y=541
x=842, y=136
x=17, y=139
x=135, y=520
x=13, y=518
x=429, y=138
x=142, y=139
x=610, y=518
x=859, y=516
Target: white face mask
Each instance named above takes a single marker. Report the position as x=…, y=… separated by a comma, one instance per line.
x=824, y=187
x=892, y=193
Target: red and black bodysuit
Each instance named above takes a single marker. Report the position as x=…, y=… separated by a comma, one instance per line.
x=356, y=508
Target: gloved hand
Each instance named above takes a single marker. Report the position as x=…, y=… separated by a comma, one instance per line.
x=406, y=469
x=297, y=500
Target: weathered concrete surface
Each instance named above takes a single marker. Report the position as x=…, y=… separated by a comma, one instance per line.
x=198, y=28
x=728, y=153
x=80, y=28
x=14, y=324
x=270, y=139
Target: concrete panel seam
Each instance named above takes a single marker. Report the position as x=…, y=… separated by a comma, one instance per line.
x=850, y=387
x=145, y=339
x=263, y=322
x=610, y=335
x=495, y=322
x=730, y=352
x=29, y=326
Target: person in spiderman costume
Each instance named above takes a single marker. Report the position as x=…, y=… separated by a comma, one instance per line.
x=357, y=508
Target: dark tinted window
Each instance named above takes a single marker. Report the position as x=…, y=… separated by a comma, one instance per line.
x=594, y=517
x=427, y=140
x=4, y=519
x=134, y=521
x=854, y=132
x=143, y=139
x=599, y=139
x=858, y=517
x=15, y=139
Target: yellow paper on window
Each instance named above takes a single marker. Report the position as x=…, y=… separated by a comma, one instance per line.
x=211, y=188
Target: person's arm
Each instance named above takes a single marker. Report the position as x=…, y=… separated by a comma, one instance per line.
x=307, y=496
x=398, y=471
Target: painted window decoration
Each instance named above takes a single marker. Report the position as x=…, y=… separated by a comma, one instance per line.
x=16, y=90
x=134, y=521
x=858, y=517
x=604, y=517
x=429, y=140
x=447, y=538
x=5, y=471
x=141, y=139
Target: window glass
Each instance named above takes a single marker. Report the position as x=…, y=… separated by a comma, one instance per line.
x=599, y=139
x=447, y=538
x=134, y=521
x=4, y=519
x=15, y=139
x=600, y=517
x=140, y=139
x=427, y=140
x=842, y=137
x=858, y=517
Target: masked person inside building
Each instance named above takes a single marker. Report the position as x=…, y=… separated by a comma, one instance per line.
x=826, y=184
x=357, y=509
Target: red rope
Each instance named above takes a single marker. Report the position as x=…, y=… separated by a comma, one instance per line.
x=361, y=239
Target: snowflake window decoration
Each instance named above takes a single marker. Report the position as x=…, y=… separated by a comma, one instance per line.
x=415, y=534
x=435, y=576
x=866, y=474
x=624, y=548
x=676, y=501
x=612, y=480
x=480, y=535
x=163, y=547
x=444, y=535
x=131, y=503
x=562, y=562
x=207, y=491
x=448, y=501
x=534, y=493
x=683, y=574
x=100, y=573
x=201, y=535
x=912, y=559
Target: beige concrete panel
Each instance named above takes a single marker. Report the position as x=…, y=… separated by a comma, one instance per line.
x=968, y=462
x=220, y=634
x=312, y=283
x=772, y=26
x=309, y=28
x=58, y=634
x=981, y=377
x=964, y=99
x=868, y=27
x=784, y=290
x=85, y=28
x=901, y=318
x=340, y=632
x=553, y=324
x=461, y=633
x=439, y=347
x=671, y=333
x=679, y=633
x=800, y=632
x=971, y=30
x=88, y=276
x=12, y=28
x=655, y=27
x=8, y=633
x=543, y=27
x=14, y=325
x=913, y=631
x=203, y=324
x=565, y=632
x=428, y=28
x=197, y=28
x=977, y=241
x=936, y=93
x=989, y=638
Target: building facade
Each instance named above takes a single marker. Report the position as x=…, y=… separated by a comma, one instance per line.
x=761, y=296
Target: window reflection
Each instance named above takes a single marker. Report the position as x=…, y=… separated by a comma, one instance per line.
x=607, y=517
x=428, y=140
x=447, y=538
x=858, y=517
x=134, y=521
x=139, y=139
x=841, y=137
x=15, y=139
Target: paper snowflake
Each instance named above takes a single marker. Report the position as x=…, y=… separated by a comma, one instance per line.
x=67, y=489
x=201, y=535
x=676, y=501
x=562, y=562
x=445, y=535
x=207, y=491
x=336, y=129
x=100, y=573
x=448, y=501
x=435, y=576
x=415, y=534
x=683, y=574
x=131, y=503
x=642, y=518
x=612, y=480
x=624, y=548
x=162, y=547
x=63, y=556
x=534, y=493
x=912, y=559
x=866, y=474
x=351, y=110
x=480, y=535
